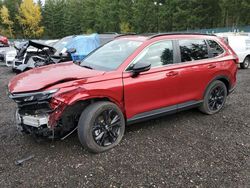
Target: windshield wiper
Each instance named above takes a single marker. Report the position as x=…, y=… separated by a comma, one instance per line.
x=88, y=67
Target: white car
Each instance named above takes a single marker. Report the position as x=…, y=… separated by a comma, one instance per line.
x=7, y=55
x=10, y=56
x=240, y=43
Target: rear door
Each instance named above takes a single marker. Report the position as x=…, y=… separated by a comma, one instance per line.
x=196, y=68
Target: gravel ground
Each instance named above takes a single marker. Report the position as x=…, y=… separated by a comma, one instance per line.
x=187, y=149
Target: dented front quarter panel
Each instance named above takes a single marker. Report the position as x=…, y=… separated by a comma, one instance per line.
x=107, y=86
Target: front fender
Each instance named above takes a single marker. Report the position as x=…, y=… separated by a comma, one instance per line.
x=70, y=97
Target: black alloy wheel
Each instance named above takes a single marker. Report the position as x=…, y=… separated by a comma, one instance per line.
x=101, y=126
x=216, y=98
x=106, y=128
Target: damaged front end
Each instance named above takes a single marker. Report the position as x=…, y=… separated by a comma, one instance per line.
x=38, y=113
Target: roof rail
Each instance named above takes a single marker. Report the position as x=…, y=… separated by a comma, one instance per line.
x=109, y=33
x=177, y=33
x=125, y=34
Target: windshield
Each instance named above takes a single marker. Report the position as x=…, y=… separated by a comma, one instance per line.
x=110, y=56
x=61, y=44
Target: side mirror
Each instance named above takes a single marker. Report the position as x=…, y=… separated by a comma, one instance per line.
x=140, y=67
x=71, y=51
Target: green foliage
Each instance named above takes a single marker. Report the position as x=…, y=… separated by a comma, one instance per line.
x=70, y=17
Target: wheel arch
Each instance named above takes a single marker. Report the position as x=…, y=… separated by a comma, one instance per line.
x=247, y=56
x=75, y=109
x=92, y=99
x=221, y=78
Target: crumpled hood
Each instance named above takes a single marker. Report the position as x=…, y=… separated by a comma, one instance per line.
x=39, y=78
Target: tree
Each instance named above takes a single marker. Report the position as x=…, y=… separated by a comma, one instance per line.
x=107, y=16
x=245, y=16
x=125, y=27
x=29, y=17
x=4, y=13
x=71, y=17
x=144, y=16
x=12, y=6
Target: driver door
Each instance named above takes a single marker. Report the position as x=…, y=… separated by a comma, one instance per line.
x=155, y=90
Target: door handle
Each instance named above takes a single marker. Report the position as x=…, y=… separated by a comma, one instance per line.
x=172, y=73
x=211, y=66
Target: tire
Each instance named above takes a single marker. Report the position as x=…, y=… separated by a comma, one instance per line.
x=215, y=98
x=245, y=63
x=97, y=133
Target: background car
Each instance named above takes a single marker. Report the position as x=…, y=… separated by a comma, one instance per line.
x=7, y=55
x=71, y=48
x=241, y=45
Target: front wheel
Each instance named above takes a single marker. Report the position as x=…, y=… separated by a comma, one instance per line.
x=101, y=127
x=245, y=63
x=215, y=98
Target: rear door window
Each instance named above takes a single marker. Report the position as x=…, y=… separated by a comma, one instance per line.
x=215, y=48
x=192, y=50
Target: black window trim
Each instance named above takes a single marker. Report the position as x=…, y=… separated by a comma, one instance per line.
x=175, y=53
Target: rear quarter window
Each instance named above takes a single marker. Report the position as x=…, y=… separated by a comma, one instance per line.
x=215, y=48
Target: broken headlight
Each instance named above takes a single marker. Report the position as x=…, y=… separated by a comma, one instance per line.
x=36, y=96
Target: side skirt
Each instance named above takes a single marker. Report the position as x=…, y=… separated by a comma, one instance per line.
x=163, y=111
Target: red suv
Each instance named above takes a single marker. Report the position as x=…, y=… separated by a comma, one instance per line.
x=130, y=79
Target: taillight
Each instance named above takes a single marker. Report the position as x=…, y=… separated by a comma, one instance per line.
x=236, y=60
x=229, y=49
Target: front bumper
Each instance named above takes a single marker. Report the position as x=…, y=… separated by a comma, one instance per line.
x=37, y=125
x=36, y=115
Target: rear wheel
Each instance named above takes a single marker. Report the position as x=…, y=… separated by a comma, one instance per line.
x=245, y=63
x=215, y=98
x=101, y=126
